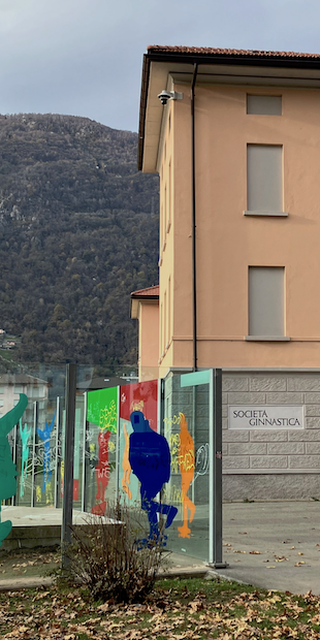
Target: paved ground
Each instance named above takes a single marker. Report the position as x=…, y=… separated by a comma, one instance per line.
x=275, y=545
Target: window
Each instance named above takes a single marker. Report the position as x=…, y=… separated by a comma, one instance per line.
x=266, y=303
x=264, y=105
x=264, y=180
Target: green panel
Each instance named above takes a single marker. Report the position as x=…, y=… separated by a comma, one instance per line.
x=102, y=408
x=193, y=379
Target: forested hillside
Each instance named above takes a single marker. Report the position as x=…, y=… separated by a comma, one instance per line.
x=79, y=232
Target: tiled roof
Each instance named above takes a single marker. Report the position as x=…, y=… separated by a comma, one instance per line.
x=150, y=291
x=230, y=52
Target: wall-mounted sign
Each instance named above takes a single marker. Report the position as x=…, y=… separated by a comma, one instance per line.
x=266, y=417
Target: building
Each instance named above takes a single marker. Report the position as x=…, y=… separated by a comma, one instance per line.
x=235, y=139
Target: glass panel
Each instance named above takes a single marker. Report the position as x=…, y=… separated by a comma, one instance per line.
x=101, y=436
x=186, y=428
x=154, y=457
x=141, y=397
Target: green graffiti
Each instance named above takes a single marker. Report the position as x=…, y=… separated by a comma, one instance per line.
x=102, y=408
x=8, y=471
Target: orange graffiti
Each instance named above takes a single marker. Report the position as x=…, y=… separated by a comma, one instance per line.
x=126, y=465
x=186, y=465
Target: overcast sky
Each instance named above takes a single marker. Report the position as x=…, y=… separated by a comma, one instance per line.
x=84, y=57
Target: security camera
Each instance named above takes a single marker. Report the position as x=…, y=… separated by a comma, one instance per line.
x=164, y=96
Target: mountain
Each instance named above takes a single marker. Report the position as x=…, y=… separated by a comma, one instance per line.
x=78, y=233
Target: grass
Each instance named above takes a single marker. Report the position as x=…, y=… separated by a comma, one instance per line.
x=177, y=609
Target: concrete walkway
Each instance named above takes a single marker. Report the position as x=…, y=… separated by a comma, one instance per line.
x=275, y=545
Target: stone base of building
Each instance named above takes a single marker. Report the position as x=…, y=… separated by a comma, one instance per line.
x=271, y=487
x=271, y=434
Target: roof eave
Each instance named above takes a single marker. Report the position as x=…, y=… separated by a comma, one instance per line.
x=158, y=54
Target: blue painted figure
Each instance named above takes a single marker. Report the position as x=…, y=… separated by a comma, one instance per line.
x=45, y=435
x=8, y=471
x=25, y=435
x=149, y=457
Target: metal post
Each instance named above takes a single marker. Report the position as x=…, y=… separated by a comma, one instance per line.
x=66, y=532
x=117, y=496
x=14, y=458
x=217, y=450
x=84, y=457
x=35, y=419
x=57, y=465
x=211, y=470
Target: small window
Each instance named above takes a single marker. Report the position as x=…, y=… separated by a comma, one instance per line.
x=266, y=302
x=264, y=105
x=264, y=180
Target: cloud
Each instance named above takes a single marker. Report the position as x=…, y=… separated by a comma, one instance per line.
x=84, y=56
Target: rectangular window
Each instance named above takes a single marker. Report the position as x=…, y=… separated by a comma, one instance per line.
x=264, y=105
x=264, y=180
x=18, y=388
x=266, y=302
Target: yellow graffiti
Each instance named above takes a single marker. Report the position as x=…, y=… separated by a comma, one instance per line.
x=108, y=417
x=174, y=444
x=111, y=447
x=172, y=495
x=49, y=494
x=136, y=405
x=38, y=494
x=181, y=459
x=174, y=420
x=61, y=477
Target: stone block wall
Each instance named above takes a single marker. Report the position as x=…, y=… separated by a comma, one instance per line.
x=272, y=463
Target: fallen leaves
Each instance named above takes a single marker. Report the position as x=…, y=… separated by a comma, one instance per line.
x=178, y=611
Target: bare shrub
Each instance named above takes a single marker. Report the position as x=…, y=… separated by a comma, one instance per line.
x=113, y=558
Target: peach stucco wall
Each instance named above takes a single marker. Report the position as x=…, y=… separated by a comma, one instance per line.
x=148, y=341
x=229, y=242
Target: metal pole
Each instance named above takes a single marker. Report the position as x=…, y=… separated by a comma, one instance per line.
x=117, y=496
x=57, y=465
x=84, y=457
x=14, y=458
x=194, y=225
x=66, y=532
x=33, y=492
x=218, y=562
x=212, y=521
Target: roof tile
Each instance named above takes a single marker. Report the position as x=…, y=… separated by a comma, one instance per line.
x=149, y=291
x=230, y=52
